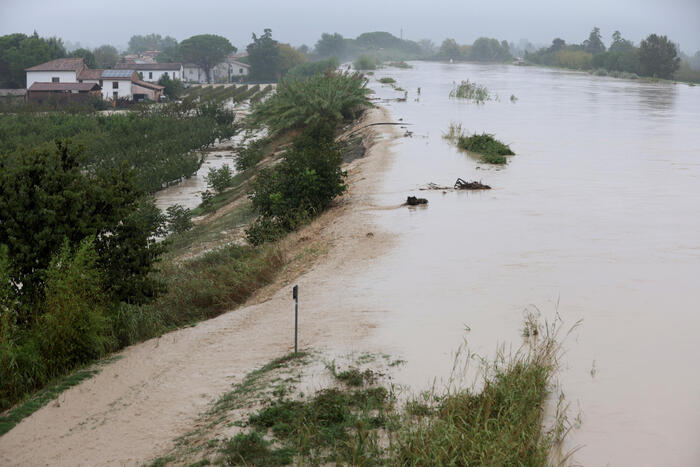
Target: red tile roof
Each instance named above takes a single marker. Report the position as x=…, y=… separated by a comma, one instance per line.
x=145, y=84
x=58, y=87
x=148, y=66
x=90, y=73
x=60, y=64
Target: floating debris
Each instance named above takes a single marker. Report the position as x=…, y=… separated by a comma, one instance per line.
x=464, y=185
x=413, y=201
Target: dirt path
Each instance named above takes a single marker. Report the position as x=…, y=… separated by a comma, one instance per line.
x=133, y=410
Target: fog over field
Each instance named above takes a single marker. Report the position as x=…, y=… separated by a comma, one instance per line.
x=302, y=22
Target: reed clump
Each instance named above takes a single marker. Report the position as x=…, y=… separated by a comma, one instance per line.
x=471, y=91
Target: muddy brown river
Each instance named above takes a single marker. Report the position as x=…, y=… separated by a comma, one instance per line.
x=597, y=218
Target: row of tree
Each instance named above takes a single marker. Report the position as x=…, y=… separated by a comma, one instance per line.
x=656, y=56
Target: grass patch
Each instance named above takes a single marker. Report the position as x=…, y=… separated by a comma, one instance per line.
x=328, y=427
x=255, y=383
x=501, y=423
x=400, y=64
x=253, y=449
x=489, y=148
x=470, y=91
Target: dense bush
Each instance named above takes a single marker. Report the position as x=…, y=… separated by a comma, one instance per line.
x=309, y=69
x=298, y=188
x=491, y=150
x=219, y=179
x=70, y=326
x=365, y=62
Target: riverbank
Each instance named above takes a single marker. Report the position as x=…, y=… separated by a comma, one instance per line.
x=132, y=410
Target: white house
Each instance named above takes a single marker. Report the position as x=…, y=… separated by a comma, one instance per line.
x=71, y=76
x=61, y=70
x=226, y=71
x=125, y=84
x=152, y=72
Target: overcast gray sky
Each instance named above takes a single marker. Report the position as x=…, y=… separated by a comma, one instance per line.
x=93, y=23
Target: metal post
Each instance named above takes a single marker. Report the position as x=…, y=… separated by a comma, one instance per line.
x=295, y=295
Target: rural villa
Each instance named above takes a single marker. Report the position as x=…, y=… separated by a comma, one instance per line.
x=69, y=79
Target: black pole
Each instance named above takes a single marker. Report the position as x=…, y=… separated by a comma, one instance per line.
x=295, y=295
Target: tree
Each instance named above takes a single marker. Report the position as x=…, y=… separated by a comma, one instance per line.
x=138, y=43
x=450, y=49
x=106, y=56
x=658, y=57
x=264, y=57
x=19, y=51
x=489, y=50
x=87, y=56
x=331, y=45
x=427, y=47
x=594, y=43
x=289, y=57
x=557, y=45
x=47, y=198
x=173, y=87
x=206, y=51
x=619, y=44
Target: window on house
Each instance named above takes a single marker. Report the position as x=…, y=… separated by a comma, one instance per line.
x=240, y=70
x=166, y=73
x=100, y=83
x=55, y=80
x=150, y=75
x=115, y=84
x=115, y=95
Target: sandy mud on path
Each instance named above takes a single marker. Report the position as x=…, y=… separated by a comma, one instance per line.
x=132, y=411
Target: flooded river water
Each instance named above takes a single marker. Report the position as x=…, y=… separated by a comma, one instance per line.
x=599, y=212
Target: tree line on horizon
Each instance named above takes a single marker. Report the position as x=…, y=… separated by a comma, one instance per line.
x=270, y=60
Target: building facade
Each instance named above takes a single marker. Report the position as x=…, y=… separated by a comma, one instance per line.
x=61, y=70
x=152, y=72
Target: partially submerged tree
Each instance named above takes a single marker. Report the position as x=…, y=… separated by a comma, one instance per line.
x=450, y=49
x=331, y=45
x=658, y=57
x=205, y=51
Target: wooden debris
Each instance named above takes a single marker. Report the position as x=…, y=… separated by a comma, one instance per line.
x=413, y=201
x=464, y=185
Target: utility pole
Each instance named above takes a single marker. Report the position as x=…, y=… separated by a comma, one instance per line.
x=295, y=296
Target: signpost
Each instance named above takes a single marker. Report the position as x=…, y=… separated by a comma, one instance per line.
x=295, y=296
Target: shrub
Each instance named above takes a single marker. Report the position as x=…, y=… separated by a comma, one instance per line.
x=309, y=69
x=491, y=150
x=301, y=186
x=179, y=219
x=387, y=80
x=365, y=62
x=220, y=179
x=250, y=154
x=207, y=198
x=74, y=329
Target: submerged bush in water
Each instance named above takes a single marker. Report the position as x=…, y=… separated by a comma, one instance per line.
x=489, y=148
x=472, y=91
